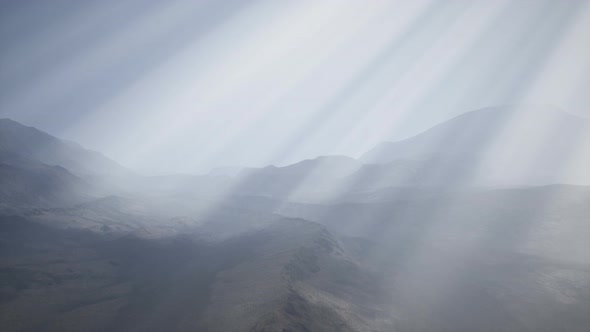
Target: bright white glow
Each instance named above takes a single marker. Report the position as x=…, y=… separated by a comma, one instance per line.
x=269, y=82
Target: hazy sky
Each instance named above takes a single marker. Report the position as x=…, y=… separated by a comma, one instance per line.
x=189, y=85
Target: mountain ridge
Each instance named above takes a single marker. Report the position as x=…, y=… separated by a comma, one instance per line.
x=30, y=143
x=492, y=145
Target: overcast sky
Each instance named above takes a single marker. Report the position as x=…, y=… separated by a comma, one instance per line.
x=184, y=86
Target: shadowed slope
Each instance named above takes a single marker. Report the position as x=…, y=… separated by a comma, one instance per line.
x=19, y=142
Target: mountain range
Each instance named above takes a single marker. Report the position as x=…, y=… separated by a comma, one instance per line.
x=477, y=224
x=492, y=147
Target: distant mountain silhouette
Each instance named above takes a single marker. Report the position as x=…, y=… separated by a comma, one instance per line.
x=19, y=142
x=37, y=169
x=321, y=167
x=39, y=185
x=309, y=175
x=499, y=145
x=229, y=171
x=31, y=160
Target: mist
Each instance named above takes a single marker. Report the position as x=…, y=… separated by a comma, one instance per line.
x=200, y=165
x=186, y=86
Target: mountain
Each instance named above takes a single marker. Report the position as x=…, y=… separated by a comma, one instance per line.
x=320, y=168
x=31, y=159
x=501, y=146
x=39, y=185
x=548, y=221
x=328, y=244
x=460, y=261
x=39, y=170
x=225, y=171
x=19, y=142
x=473, y=260
x=309, y=178
x=492, y=147
x=284, y=275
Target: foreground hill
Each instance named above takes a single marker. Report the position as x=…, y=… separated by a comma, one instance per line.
x=460, y=261
x=489, y=260
x=284, y=275
x=548, y=221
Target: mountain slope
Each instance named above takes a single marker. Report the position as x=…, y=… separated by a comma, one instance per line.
x=493, y=260
x=39, y=185
x=285, y=275
x=19, y=142
x=307, y=178
x=498, y=146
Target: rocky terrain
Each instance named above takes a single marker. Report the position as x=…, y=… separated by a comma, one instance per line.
x=329, y=244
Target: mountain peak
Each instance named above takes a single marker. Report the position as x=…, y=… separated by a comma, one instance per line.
x=533, y=140
x=7, y=120
x=20, y=142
